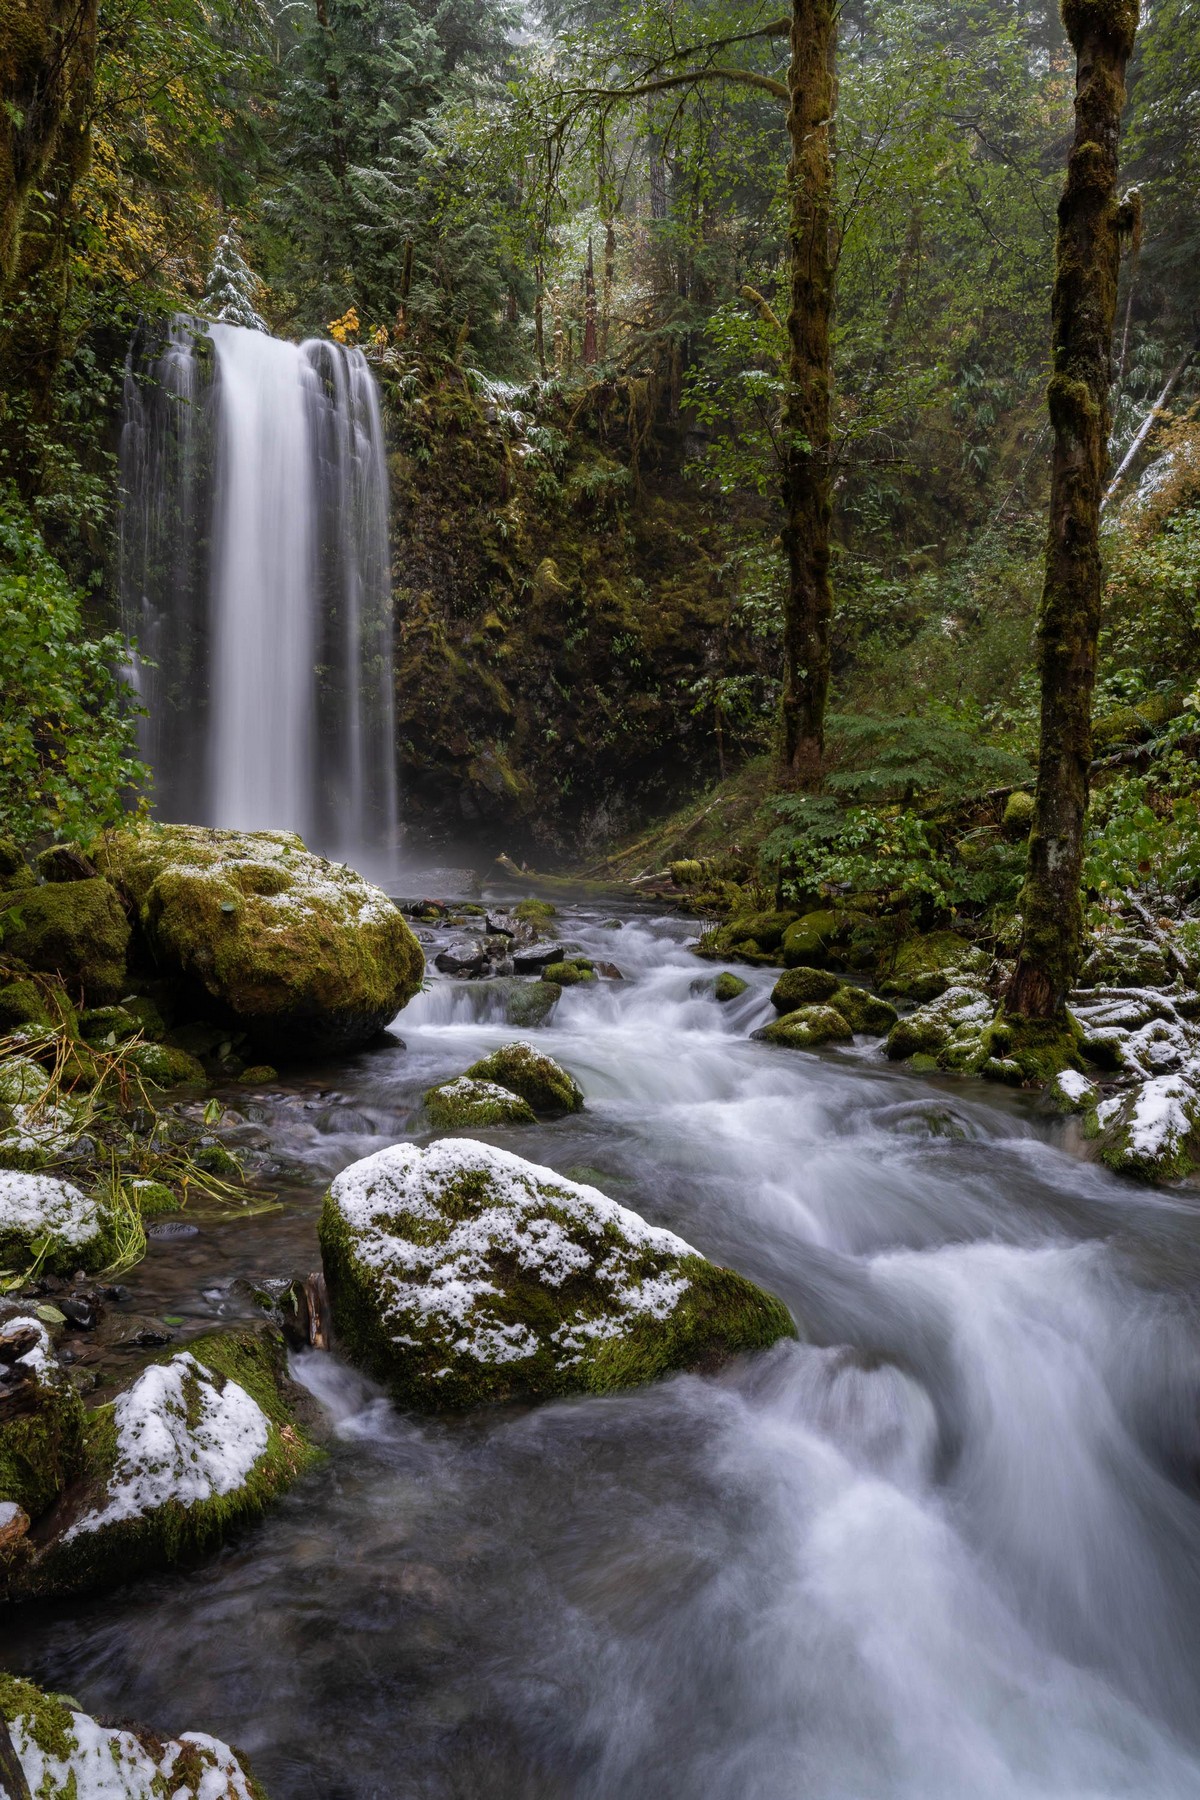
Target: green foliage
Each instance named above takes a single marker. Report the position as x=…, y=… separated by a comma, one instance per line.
x=818, y=845
x=889, y=759
x=67, y=730
x=1153, y=599
x=1142, y=839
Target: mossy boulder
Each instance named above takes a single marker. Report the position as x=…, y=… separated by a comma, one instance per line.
x=165, y=1066
x=153, y=1198
x=811, y=940
x=462, y=1274
x=535, y=912
x=76, y=930
x=198, y=1444
x=1072, y=1092
x=1125, y=959
x=539, y=1080
x=41, y=1426
x=458, y=1105
x=807, y=1027
x=863, y=1011
x=688, y=873
x=65, y=1754
x=728, y=986
x=1018, y=814
x=803, y=986
x=924, y=967
x=304, y=954
x=530, y=1003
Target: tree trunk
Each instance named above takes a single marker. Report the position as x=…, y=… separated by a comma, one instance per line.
x=806, y=469
x=1085, y=295
x=589, y=308
x=47, y=71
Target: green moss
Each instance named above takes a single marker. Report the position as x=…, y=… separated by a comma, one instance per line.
x=259, y=1075
x=535, y=912
x=303, y=953
x=568, y=974
x=456, y=1105
x=75, y=929
x=728, y=986
x=172, y=1532
x=802, y=986
x=807, y=1027
x=23, y=1002
x=538, y=1079
x=924, y=966
x=687, y=874
x=863, y=1011
x=1040, y=1048
x=153, y=1198
x=215, y=1159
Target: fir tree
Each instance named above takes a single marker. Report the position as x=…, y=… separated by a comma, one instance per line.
x=231, y=286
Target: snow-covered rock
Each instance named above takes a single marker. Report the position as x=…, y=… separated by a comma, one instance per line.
x=37, y=1122
x=40, y=1215
x=461, y=1104
x=461, y=1273
x=64, y=1752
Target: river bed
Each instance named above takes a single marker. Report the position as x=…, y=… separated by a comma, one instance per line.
x=948, y=1548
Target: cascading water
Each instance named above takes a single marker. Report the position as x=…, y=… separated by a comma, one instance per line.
x=255, y=580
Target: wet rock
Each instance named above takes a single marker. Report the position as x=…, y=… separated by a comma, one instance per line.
x=536, y=956
x=807, y=1027
x=81, y=1310
x=64, y=862
x=133, y=1331
x=460, y=1104
x=539, y=1080
x=61, y=1750
x=467, y=956
x=303, y=953
x=170, y=1230
x=461, y=1274
x=608, y=971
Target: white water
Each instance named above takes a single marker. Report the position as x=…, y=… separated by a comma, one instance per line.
x=255, y=575
x=948, y=1548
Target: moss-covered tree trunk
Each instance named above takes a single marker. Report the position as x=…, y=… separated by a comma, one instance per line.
x=1085, y=294
x=807, y=480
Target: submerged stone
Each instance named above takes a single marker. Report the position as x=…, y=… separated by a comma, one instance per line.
x=302, y=953
x=461, y=1103
x=462, y=1274
x=65, y=1754
x=538, y=1079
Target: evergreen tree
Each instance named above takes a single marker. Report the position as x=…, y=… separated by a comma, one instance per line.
x=231, y=286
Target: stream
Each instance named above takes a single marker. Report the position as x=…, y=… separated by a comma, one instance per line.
x=948, y=1548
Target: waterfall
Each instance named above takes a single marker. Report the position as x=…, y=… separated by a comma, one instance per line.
x=255, y=580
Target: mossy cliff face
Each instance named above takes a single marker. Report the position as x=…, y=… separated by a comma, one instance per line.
x=197, y=1445
x=302, y=953
x=553, y=615
x=461, y=1274
x=65, y=1754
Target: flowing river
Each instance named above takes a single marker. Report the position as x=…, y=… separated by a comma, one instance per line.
x=947, y=1548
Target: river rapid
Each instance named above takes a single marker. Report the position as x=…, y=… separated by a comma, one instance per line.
x=947, y=1548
